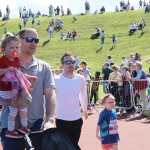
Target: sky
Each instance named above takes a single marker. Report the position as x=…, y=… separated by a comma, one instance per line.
x=76, y=6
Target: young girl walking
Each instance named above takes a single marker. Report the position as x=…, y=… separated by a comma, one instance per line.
x=10, y=62
x=107, y=128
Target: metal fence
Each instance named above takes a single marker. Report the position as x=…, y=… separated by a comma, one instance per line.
x=130, y=96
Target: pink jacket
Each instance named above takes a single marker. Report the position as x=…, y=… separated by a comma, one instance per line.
x=19, y=82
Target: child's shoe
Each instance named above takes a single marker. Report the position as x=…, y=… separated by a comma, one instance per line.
x=13, y=134
x=24, y=130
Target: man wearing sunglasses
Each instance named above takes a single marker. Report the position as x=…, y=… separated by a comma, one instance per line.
x=44, y=85
x=70, y=91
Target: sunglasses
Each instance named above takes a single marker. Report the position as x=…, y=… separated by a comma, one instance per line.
x=115, y=69
x=68, y=62
x=30, y=39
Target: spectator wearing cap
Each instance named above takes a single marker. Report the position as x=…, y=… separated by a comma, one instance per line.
x=84, y=67
x=124, y=61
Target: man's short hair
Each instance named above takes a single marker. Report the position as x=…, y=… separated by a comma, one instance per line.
x=84, y=63
x=107, y=64
x=22, y=32
x=65, y=55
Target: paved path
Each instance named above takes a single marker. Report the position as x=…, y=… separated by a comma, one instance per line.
x=134, y=133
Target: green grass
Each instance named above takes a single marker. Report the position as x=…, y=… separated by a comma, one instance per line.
x=86, y=48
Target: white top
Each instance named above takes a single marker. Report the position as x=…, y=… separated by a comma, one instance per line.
x=50, y=28
x=69, y=92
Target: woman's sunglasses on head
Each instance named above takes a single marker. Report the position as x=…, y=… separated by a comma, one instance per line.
x=30, y=39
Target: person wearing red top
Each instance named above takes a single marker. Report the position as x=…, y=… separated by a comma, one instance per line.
x=74, y=33
x=9, y=61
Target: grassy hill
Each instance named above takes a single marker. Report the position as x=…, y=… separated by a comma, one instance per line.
x=86, y=48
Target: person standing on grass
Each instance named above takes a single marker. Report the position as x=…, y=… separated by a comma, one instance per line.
x=20, y=12
x=50, y=29
x=140, y=4
x=107, y=128
x=38, y=25
x=68, y=115
x=144, y=4
x=113, y=40
x=33, y=20
x=102, y=35
x=20, y=25
x=24, y=22
x=7, y=10
x=128, y=5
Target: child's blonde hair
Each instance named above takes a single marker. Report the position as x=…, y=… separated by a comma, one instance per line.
x=103, y=99
x=7, y=39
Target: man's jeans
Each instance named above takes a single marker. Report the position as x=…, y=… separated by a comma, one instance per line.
x=19, y=144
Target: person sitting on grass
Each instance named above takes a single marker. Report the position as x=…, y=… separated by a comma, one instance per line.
x=97, y=33
x=61, y=37
x=116, y=9
x=95, y=13
x=74, y=34
x=133, y=28
x=68, y=35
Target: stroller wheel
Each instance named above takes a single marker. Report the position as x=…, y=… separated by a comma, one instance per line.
x=139, y=107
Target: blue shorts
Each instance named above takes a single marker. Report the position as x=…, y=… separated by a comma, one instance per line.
x=19, y=144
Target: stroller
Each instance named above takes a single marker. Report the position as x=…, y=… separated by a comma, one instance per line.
x=51, y=139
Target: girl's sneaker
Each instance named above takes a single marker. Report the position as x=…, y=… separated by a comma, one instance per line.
x=13, y=134
x=24, y=130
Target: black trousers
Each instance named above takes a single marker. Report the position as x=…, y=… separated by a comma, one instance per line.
x=95, y=94
x=73, y=127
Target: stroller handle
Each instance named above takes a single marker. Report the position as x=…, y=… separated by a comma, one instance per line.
x=28, y=141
